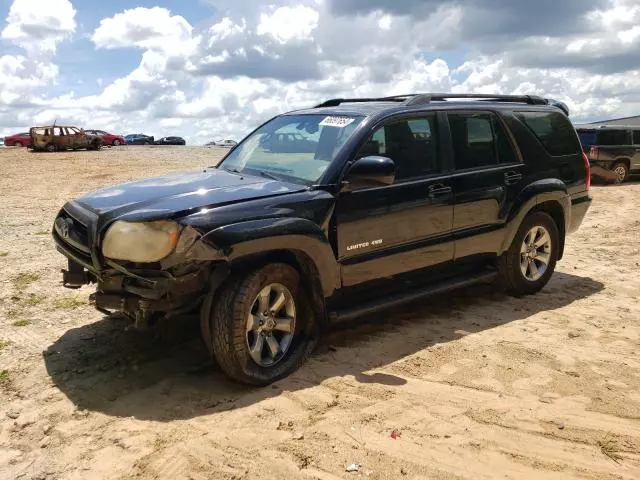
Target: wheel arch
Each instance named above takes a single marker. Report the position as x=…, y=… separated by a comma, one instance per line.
x=301, y=261
x=549, y=196
x=625, y=160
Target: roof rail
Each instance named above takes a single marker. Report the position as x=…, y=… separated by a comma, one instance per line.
x=425, y=98
x=334, y=102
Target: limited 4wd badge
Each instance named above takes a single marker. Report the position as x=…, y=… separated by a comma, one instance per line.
x=372, y=243
x=339, y=122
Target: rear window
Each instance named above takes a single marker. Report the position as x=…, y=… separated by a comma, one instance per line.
x=554, y=130
x=587, y=137
x=614, y=137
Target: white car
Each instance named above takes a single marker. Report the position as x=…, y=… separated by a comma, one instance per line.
x=223, y=143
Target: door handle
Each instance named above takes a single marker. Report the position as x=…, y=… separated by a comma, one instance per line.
x=439, y=190
x=512, y=177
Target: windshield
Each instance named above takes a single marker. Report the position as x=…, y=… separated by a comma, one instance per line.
x=296, y=148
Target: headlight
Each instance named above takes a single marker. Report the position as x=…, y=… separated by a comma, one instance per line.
x=142, y=242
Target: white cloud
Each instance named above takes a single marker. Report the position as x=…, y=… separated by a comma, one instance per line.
x=39, y=26
x=220, y=77
x=288, y=24
x=147, y=28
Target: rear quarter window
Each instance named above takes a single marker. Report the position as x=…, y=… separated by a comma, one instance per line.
x=553, y=130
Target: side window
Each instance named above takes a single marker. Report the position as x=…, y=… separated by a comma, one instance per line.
x=474, y=144
x=411, y=144
x=554, y=130
x=613, y=137
x=636, y=137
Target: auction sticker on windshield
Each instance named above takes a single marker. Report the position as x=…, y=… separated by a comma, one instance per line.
x=339, y=122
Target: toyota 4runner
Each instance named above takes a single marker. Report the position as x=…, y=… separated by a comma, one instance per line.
x=331, y=213
x=613, y=150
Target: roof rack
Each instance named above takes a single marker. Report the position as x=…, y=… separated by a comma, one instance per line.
x=425, y=98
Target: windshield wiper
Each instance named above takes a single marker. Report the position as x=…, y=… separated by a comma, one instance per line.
x=268, y=175
x=232, y=170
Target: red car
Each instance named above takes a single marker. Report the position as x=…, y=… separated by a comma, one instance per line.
x=108, y=138
x=18, y=140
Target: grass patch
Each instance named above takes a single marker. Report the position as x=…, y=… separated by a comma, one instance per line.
x=23, y=280
x=13, y=313
x=42, y=232
x=69, y=303
x=4, y=343
x=5, y=378
x=23, y=322
x=4, y=254
x=30, y=300
x=610, y=448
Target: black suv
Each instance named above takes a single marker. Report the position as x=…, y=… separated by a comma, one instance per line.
x=400, y=198
x=613, y=150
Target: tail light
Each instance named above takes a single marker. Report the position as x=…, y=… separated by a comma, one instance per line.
x=587, y=170
x=594, y=152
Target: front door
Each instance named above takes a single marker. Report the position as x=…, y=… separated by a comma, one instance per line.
x=391, y=230
x=488, y=175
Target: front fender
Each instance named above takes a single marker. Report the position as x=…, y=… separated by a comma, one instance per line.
x=256, y=237
x=533, y=195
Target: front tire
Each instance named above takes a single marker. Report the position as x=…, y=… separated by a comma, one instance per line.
x=262, y=326
x=531, y=259
x=116, y=143
x=51, y=147
x=621, y=172
x=17, y=144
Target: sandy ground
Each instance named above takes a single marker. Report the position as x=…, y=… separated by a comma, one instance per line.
x=478, y=385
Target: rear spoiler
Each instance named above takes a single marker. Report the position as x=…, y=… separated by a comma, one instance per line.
x=556, y=103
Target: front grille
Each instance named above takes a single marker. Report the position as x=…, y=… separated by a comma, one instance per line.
x=72, y=232
x=72, y=237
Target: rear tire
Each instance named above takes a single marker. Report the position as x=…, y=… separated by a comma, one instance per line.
x=527, y=266
x=621, y=172
x=243, y=340
x=17, y=144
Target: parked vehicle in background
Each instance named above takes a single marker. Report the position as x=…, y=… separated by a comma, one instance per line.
x=613, y=151
x=62, y=137
x=108, y=138
x=18, y=140
x=139, y=139
x=171, y=141
x=403, y=198
x=222, y=143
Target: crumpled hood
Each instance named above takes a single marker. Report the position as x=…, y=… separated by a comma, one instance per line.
x=179, y=193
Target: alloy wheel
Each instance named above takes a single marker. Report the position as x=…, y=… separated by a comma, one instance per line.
x=271, y=325
x=621, y=173
x=535, y=253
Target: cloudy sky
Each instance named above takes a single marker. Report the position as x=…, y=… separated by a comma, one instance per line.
x=209, y=69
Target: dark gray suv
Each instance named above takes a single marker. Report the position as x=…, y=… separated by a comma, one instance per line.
x=613, y=150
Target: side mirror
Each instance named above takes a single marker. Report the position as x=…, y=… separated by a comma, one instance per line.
x=372, y=171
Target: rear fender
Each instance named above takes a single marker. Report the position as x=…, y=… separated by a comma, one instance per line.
x=534, y=195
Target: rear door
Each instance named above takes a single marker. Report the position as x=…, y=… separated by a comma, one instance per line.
x=487, y=177
x=401, y=228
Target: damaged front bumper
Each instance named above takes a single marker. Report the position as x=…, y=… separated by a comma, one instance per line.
x=140, y=291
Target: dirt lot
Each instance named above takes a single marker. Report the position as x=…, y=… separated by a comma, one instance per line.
x=478, y=385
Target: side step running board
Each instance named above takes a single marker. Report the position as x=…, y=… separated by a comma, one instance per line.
x=411, y=296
